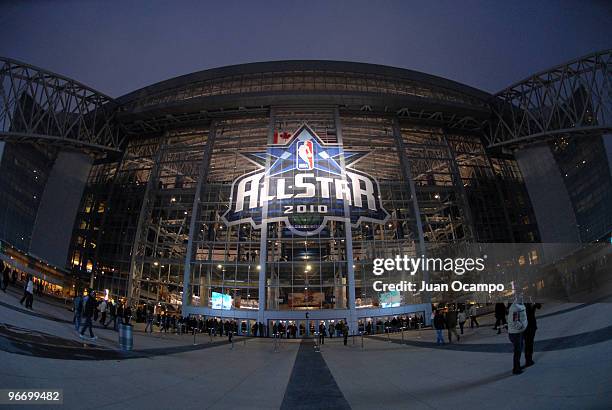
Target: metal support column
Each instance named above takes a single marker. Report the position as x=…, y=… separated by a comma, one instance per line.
x=405, y=165
x=352, y=319
x=202, y=175
x=263, y=242
x=139, y=237
x=460, y=189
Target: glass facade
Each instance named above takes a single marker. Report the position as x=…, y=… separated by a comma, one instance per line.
x=153, y=224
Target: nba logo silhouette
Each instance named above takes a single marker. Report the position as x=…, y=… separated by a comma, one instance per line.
x=305, y=155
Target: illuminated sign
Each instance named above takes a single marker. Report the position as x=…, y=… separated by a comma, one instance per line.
x=302, y=183
x=221, y=301
x=390, y=299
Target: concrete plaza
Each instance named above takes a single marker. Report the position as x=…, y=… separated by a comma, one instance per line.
x=40, y=349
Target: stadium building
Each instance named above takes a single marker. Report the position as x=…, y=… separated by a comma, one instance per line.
x=262, y=192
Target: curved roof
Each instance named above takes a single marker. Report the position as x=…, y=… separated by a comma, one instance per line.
x=304, y=66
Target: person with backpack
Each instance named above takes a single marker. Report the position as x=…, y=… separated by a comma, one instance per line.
x=78, y=311
x=517, y=324
x=89, y=307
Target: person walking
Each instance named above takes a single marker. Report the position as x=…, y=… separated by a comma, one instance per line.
x=500, y=317
x=450, y=320
x=149, y=319
x=112, y=310
x=345, y=332
x=438, y=324
x=127, y=315
x=461, y=318
x=77, y=306
x=27, y=293
x=530, y=331
x=322, y=331
x=103, y=307
x=96, y=312
x=331, y=330
x=119, y=317
x=89, y=307
x=473, y=312
x=517, y=323
x=5, y=276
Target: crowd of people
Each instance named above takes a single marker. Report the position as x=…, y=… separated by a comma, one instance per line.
x=396, y=324
x=87, y=309
x=518, y=318
x=32, y=286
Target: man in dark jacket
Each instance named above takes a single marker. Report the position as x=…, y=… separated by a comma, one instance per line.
x=451, y=324
x=5, y=276
x=127, y=315
x=78, y=311
x=345, y=332
x=119, y=315
x=500, y=317
x=530, y=332
x=89, y=307
x=438, y=324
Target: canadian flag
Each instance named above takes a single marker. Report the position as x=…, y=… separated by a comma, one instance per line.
x=281, y=137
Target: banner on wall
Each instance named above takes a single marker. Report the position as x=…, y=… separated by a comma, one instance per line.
x=306, y=299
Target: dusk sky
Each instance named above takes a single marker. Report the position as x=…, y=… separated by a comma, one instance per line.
x=117, y=47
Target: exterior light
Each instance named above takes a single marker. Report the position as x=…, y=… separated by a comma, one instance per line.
x=258, y=267
x=219, y=266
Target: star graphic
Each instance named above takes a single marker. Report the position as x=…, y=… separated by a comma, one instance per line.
x=283, y=157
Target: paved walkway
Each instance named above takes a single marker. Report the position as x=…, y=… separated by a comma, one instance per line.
x=572, y=370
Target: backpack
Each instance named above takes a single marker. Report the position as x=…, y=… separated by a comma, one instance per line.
x=515, y=324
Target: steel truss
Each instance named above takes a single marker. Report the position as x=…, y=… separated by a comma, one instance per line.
x=39, y=106
x=571, y=98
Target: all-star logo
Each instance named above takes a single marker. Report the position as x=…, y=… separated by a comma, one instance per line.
x=305, y=186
